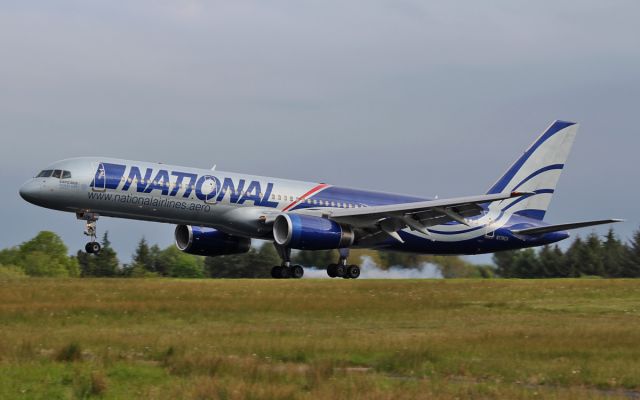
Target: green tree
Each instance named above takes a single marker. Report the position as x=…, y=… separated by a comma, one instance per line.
x=103, y=264
x=37, y=263
x=46, y=255
x=144, y=261
x=10, y=256
x=585, y=257
x=154, y=253
x=256, y=263
x=552, y=263
x=574, y=256
x=181, y=265
x=486, y=271
x=527, y=264
x=592, y=263
x=631, y=262
x=456, y=267
x=317, y=258
x=613, y=253
x=505, y=263
x=517, y=264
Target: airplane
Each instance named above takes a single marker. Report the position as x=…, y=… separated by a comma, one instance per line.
x=219, y=213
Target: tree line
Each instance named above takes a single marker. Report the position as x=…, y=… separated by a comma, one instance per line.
x=592, y=256
x=47, y=255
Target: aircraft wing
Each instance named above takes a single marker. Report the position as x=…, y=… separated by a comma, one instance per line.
x=417, y=215
x=540, y=230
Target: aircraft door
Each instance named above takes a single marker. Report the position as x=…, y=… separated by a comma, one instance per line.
x=100, y=179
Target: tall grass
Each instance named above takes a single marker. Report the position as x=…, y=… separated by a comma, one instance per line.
x=319, y=339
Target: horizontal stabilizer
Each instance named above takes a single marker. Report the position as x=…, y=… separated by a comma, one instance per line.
x=562, y=227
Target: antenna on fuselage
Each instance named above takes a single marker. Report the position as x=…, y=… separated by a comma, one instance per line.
x=214, y=167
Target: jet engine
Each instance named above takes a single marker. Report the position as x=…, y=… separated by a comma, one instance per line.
x=209, y=241
x=305, y=232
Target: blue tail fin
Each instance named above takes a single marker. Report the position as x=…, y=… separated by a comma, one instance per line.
x=538, y=171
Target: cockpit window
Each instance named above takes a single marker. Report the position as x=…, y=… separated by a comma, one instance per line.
x=66, y=175
x=45, y=174
x=57, y=173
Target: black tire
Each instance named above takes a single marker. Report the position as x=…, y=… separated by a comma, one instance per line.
x=275, y=272
x=297, y=272
x=95, y=247
x=331, y=270
x=88, y=248
x=341, y=271
x=285, y=273
x=353, y=271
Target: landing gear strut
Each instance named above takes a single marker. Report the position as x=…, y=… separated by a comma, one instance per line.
x=90, y=229
x=341, y=269
x=286, y=270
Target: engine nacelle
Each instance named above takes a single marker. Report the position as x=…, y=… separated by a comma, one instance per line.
x=305, y=232
x=209, y=241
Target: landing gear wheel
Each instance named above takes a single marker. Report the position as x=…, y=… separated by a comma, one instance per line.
x=340, y=270
x=285, y=272
x=353, y=272
x=276, y=272
x=297, y=272
x=93, y=247
x=331, y=270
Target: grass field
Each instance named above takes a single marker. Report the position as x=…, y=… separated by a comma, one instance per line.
x=322, y=339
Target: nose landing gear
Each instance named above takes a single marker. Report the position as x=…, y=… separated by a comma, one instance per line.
x=90, y=229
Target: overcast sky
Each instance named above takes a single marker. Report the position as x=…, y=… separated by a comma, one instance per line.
x=424, y=98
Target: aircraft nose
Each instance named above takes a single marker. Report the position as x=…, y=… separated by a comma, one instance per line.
x=29, y=192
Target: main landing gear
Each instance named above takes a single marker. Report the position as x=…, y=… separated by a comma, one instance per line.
x=90, y=229
x=286, y=270
x=341, y=269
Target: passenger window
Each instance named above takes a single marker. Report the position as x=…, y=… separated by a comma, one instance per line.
x=57, y=173
x=66, y=175
x=45, y=174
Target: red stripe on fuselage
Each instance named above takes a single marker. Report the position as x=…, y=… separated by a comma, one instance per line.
x=305, y=196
